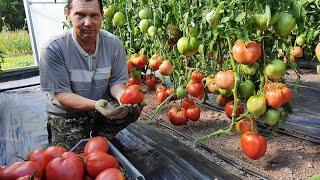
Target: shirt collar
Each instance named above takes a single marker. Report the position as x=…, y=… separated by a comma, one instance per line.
x=82, y=51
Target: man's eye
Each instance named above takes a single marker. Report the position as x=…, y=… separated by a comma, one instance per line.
x=79, y=15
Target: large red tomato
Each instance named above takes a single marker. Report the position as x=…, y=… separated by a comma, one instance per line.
x=98, y=161
x=228, y=108
x=69, y=166
x=110, y=174
x=278, y=94
x=20, y=169
x=254, y=146
x=132, y=95
x=246, y=52
x=51, y=153
x=139, y=60
x=197, y=76
x=97, y=143
x=36, y=155
x=155, y=61
x=195, y=89
x=193, y=113
x=177, y=117
x=225, y=79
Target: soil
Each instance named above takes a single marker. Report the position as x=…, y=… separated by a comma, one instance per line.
x=286, y=157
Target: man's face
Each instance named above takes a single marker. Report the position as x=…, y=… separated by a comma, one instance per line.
x=86, y=18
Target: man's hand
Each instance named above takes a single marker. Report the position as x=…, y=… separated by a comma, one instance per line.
x=110, y=112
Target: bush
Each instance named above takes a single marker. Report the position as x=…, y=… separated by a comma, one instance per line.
x=14, y=43
x=14, y=14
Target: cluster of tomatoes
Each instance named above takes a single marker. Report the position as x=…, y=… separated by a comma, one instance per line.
x=55, y=162
x=265, y=103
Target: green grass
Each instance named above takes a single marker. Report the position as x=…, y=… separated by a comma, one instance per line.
x=15, y=43
x=17, y=62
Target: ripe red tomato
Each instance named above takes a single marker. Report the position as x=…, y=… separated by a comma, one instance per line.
x=166, y=68
x=246, y=52
x=20, y=169
x=110, y=174
x=129, y=65
x=99, y=161
x=95, y=144
x=36, y=155
x=254, y=146
x=151, y=81
x=228, y=108
x=51, y=153
x=177, y=117
x=132, y=95
x=134, y=80
x=193, y=113
x=155, y=61
x=68, y=166
x=244, y=125
x=161, y=96
x=225, y=79
x=160, y=87
x=139, y=60
x=278, y=94
x=197, y=76
x=187, y=102
x=195, y=89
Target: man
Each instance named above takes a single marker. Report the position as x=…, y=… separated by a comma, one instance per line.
x=80, y=69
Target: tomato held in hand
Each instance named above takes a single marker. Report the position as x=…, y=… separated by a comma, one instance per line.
x=95, y=144
x=110, y=174
x=132, y=95
x=177, y=117
x=228, y=108
x=254, y=146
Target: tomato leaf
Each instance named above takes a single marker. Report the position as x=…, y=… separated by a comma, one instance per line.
x=240, y=17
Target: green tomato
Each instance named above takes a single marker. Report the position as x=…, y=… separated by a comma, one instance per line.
x=145, y=13
x=144, y=25
x=119, y=19
x=224, y=92
x=187, y=46
x=181, y=92
x=250, y=69
x=257, y=105
x=246, y=89
x=276, y=69
x=284, y=24
x=110, y=11
x=152, y=31
x=300, y=40
x=263, y=21
x=272, y=116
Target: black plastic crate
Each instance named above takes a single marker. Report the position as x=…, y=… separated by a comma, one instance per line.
x=129, y=170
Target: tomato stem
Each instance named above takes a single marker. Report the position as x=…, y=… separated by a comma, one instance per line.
x=159, y=107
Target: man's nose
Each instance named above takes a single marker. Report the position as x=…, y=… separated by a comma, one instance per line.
x=88, y=21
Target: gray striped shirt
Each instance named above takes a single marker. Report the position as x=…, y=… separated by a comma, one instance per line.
x=66, y=67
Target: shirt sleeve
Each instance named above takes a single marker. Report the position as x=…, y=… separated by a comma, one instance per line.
x=54, y=76
x=119, y=73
